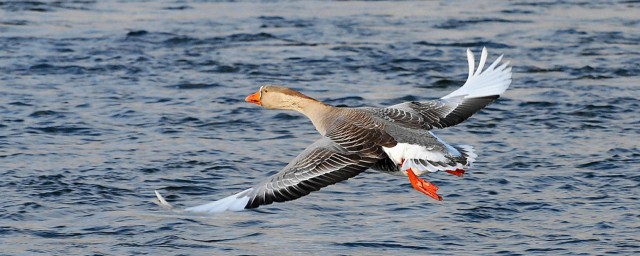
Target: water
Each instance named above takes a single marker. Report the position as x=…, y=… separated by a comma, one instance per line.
x=103, y=102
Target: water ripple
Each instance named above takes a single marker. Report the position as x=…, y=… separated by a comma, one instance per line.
x=105, y=101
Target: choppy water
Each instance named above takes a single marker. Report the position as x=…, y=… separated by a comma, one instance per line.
x=104, y=101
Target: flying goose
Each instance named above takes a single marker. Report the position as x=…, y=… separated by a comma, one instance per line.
x=396, y=139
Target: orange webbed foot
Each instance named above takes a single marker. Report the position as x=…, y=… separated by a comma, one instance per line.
x=423, y=186
x=457, y=172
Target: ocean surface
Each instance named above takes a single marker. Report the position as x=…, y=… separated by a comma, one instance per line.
x=103, y=102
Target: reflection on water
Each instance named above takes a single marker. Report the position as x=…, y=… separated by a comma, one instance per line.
x=104, y=101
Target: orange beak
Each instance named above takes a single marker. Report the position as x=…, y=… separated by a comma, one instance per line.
x=254, y=98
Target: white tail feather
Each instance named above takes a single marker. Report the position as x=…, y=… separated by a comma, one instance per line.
x=492, y=81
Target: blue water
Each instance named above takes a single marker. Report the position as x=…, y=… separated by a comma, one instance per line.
x=102, y=102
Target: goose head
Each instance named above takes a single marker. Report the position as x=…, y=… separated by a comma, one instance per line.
x=277, y=97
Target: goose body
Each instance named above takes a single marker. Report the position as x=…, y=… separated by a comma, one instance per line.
x=396, y=140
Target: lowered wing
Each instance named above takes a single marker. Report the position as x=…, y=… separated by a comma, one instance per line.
x=321, y=164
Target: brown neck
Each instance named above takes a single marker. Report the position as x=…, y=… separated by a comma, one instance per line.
x=317, y=112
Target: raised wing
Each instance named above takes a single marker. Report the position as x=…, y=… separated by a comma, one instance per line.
x=480, y=89
x=321, y=164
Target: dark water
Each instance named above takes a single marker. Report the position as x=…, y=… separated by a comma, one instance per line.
x=101, y=102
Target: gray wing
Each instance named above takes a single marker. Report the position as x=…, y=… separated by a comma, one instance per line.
x=321, y=164
x=350, y=146
x=438, y=113
x=481, y=88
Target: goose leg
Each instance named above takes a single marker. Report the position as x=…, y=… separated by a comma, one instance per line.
x=457, y=172
x=423, y=186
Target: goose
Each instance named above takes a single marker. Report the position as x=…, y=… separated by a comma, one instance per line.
x=397, y=139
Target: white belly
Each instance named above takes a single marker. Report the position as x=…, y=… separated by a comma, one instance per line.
x=404, y=151
x=410, y=156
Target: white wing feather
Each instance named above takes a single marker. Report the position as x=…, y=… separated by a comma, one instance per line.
x=492, y=81
x=235, y=203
